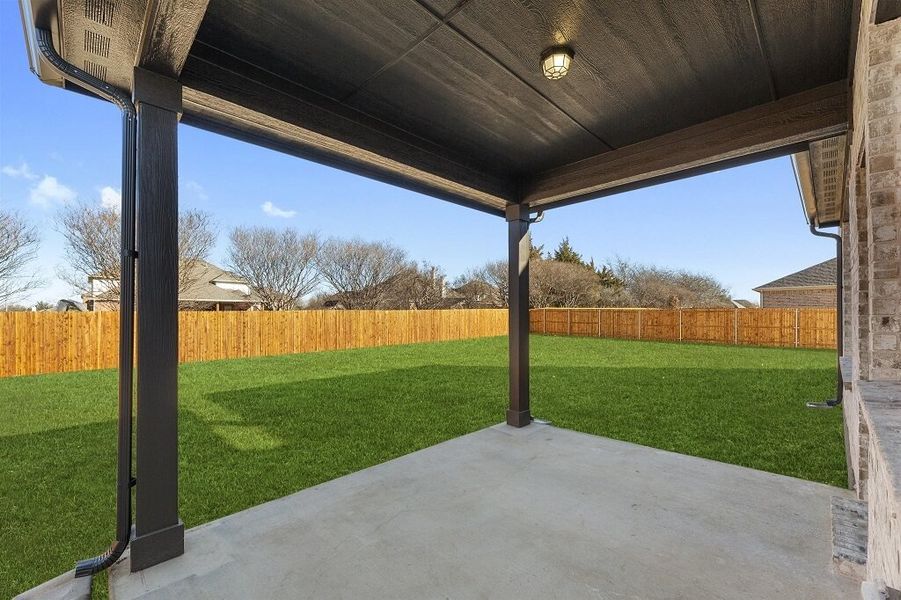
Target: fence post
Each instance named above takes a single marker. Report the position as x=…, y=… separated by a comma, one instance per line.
x=639, y=323
x=680, y=324
x=599, y=322
x=735, y=326
x=797, y=327
x=544, y=319
x=569, y=321
x=99, y=341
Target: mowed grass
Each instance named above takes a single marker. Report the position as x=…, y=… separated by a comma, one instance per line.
x=256, y=429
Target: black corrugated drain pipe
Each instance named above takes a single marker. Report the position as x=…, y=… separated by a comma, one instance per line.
x=124, y=480
x=839, y=325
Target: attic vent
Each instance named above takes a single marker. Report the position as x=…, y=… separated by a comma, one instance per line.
x=96, y=43
x=100, y=11
x=98, y=71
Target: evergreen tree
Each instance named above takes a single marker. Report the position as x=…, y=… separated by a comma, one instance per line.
x=566, y=254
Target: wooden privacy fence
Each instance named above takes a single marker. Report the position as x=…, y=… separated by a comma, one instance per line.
x=47, y=342
x=782, y=327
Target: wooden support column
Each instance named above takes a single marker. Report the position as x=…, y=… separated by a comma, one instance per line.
x=159, y=533
x=519, y=248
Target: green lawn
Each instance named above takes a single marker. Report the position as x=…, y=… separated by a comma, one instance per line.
x=257, y=429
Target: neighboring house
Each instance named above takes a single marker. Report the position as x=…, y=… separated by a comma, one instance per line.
x=66, y=305
x=416, y=292
x=210, y=287
x=812, y=287
x=739, y=303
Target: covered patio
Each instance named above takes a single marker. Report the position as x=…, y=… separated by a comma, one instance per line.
x=534, y=512
x=511, y=108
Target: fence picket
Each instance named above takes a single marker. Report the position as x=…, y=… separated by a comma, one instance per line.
x=50, y=342
x=799, y=328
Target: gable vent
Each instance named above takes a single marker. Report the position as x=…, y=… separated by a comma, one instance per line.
x=100, y=11
x=96, y=43
x=98, y=71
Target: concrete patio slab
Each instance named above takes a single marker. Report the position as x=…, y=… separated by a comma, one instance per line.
x=539, y=512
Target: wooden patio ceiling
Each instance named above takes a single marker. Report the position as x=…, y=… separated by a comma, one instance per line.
x=446, y=96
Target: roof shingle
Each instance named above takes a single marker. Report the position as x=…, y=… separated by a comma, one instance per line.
x=819, y=275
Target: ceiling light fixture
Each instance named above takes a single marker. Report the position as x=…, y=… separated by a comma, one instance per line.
x=555, y=61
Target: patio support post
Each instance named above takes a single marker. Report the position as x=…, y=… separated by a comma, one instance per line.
x=519, y=249
x=159, y=533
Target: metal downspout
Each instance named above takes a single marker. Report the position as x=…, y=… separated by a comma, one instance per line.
x=839, y=310
x=124, y=480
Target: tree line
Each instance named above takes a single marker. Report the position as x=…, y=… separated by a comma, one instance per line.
x=288, y=269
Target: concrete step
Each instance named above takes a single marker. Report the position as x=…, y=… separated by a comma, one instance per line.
x=849, y=537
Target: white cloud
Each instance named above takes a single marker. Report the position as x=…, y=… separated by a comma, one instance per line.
x=196, y=190
x=23, y=171
x=111, y=198
x=49, y=191
x=273, y=211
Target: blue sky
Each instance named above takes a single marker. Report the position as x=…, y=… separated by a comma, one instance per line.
x=744, y=226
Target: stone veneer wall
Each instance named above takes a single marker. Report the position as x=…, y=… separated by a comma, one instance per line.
x=873, y=291
x=882, y=412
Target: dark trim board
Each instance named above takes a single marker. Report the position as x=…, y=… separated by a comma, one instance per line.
x=290, y=147
x=694, y=172
x=219, y=88
x=805, y=117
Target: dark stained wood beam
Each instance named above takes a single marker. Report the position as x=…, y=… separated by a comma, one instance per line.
x=763, y=130
x=159, y=532
x=170, y=27
x=519, y=249
x=228, y=96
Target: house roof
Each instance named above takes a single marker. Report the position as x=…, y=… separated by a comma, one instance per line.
x=203, y=286
x=819, y=275
x=741, y=303
x=446, y=97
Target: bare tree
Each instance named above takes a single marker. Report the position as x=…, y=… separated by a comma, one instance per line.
x=485, y=285
x=476, y=292
x=18, y=246
x=279, y=265
x=197, y=233
x=359, y=272
x=416, y=287
x=669, y=288
x=496, y=275
x=93, y=242
x=567, y=284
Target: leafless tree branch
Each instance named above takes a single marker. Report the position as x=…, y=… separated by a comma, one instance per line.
x=358, y=272
x=19, y=243
x=279, y=265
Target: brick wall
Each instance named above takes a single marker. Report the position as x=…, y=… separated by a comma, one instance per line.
x=813, y=298
x=884, y=193
x=872, y=276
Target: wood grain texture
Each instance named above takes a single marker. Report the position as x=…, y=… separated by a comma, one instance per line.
x=445, y=96
x=465, y=102
x=778, y=327
x=245, y=99
x=807, y=41
x=804, y=117
x=33, y=343
x=330, y=46
x=170, y=27
x=156, y=506
x=641, y=68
